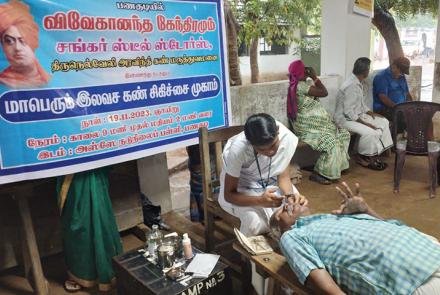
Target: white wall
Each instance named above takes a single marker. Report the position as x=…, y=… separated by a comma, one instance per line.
x=270, y=64
x=345, y=36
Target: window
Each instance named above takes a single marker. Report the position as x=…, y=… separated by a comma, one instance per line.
x=265, y=48
x=273, y=49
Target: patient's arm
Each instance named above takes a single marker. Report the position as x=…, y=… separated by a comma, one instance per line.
x=373, y=213
x=320, y=282
x=353, y=203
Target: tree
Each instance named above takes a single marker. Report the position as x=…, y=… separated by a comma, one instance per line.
x=273, y=20
x=384, y=21
x=232, y=43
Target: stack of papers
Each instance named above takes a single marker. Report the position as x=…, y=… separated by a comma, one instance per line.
x=202, y=265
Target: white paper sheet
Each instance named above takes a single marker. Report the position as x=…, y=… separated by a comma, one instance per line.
x=202, y=265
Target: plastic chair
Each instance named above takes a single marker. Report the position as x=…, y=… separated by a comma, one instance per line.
x=417, y=118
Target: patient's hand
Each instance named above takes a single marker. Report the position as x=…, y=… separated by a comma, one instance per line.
x=352, y=203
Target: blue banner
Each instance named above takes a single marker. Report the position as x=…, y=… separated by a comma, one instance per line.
x=84, y=84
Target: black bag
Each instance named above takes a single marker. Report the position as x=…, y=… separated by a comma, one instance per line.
x=152, y=213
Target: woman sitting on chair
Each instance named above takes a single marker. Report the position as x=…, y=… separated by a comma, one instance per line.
x=255, y=174
x=314, y=125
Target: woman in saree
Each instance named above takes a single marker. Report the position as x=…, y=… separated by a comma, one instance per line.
x=314, y=125
x=90, y=233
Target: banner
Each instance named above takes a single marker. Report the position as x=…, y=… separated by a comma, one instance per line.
x=85, y=84
x=364, y=7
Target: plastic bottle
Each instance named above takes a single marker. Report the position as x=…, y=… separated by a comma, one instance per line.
x=153, y=239
x=187, y=248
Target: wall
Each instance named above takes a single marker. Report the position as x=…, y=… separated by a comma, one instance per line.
x=345, y=37
x=154, y=181
x=269, y=64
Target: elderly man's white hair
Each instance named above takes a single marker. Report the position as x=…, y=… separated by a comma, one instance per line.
x=275, y=230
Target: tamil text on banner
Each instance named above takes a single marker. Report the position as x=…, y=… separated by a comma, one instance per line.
x=85, y=84
x=364, y=7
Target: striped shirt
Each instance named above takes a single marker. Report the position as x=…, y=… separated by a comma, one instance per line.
x=364, y=255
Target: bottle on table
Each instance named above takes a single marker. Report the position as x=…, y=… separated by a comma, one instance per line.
x=153, y=239
x=187, y=248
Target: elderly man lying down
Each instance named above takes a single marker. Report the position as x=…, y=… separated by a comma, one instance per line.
x=354, y=251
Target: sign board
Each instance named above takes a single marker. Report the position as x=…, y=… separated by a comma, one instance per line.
x=85, y=84
x=364, y=7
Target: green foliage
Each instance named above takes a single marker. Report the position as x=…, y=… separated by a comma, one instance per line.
x=406, y=8
x=417, y=21
x=309, y=44
x=274, y=19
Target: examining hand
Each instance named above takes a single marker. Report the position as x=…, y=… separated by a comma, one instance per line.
x=297, y=199
x=269, y=199
x=351, y=203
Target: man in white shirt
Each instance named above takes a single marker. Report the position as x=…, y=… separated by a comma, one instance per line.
x=255, y=178
x=353, y=115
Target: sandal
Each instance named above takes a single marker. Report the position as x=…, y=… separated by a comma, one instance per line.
x=373, y=164
x=319, y=179
x=71, y=286
x=381, y=164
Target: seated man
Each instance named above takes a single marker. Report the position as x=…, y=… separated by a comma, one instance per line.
x=390, y=87
x=256, y=171
x=353, y=250
x=354, y=115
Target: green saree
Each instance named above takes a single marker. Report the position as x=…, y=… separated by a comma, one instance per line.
x=314, y=126
x=90, y=233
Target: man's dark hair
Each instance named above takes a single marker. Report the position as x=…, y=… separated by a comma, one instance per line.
x=260, y=129
x=361, y=65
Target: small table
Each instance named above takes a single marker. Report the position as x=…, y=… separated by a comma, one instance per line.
x=136, y=275
x=274, y=267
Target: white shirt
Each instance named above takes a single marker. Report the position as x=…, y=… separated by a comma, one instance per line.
x=350, y=101
x=239, y=161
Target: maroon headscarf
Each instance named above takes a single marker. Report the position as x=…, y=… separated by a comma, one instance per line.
x=296, y=73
